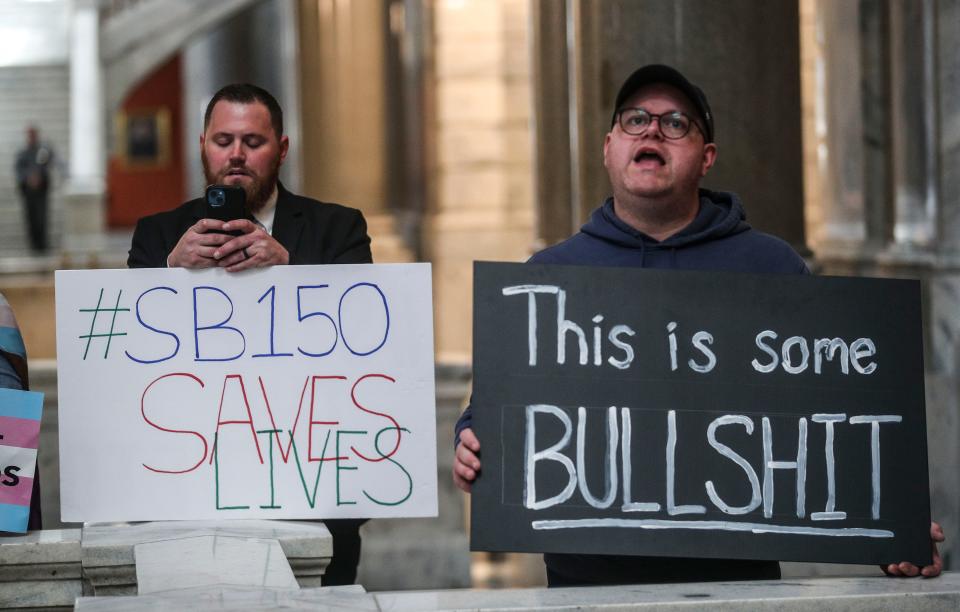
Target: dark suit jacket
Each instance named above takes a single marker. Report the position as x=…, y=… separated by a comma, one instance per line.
x=312, y=232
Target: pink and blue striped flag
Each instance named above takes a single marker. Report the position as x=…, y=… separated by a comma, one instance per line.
x=19, y=434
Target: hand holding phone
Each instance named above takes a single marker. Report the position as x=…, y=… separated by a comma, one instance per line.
x=204, y=247
x=196, y=247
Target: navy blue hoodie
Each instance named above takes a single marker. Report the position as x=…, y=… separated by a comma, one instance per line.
x=719, y=238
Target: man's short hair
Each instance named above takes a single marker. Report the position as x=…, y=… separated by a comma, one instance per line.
x=245, y=93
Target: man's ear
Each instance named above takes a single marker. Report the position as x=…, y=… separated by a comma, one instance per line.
x=606, y=145
x=709, y=158
x=284, y=147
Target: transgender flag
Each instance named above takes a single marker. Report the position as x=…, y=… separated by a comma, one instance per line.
x=19, y=434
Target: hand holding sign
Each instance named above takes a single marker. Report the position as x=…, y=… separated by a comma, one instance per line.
x=909, y=570
x=466, y=464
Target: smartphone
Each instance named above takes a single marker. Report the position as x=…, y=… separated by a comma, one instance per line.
x=226, y=203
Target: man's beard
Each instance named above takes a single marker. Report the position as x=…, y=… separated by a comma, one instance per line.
x=258, y=189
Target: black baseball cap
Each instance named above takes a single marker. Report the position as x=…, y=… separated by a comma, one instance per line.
x=658, y=73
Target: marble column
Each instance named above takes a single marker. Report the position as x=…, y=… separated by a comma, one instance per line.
x=871, y=82
x=906, y=193
x=85, y=214
x=946, y=100
x=834, y=125
x=551, y=127
x=345, y=104
x=948, y=111
x=913, y=122
x=349, y=113
x=588, y=105
x=481, y=204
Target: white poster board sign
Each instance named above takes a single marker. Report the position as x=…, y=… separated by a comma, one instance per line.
x=290, y=392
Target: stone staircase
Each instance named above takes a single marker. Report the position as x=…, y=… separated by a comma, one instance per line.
x=32, y=95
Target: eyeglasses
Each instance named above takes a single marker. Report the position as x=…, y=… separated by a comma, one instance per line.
x=673, y=125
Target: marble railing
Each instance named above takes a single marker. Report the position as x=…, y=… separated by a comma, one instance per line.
x=50, y=569
x=267, y=565
x=40, y=570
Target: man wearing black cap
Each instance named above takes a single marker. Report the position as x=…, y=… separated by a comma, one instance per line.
x=660, y=145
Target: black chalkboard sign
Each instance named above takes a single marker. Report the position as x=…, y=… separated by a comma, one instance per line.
x=694, y=414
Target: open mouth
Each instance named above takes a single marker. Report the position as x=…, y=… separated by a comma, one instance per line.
x=648, y=155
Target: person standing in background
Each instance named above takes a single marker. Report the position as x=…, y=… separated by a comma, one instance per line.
x=33, y=180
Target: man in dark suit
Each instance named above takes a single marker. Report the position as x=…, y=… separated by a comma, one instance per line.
x=243, y=144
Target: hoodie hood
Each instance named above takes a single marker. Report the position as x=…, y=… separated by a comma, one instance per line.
x=721, y=214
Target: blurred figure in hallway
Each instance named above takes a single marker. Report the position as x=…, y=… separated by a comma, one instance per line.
x=33, y=180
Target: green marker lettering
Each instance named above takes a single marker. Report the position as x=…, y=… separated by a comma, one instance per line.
x=341, y=502
x=273, y=505
x=216, y=478
x=376, y=445
x=311, y=499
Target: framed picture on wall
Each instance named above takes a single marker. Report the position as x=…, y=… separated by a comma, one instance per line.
x=143, y=138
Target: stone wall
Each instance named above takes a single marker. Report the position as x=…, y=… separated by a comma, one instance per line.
x=482, y=204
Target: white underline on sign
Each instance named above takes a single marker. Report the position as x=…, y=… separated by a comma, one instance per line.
x=712, y=526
